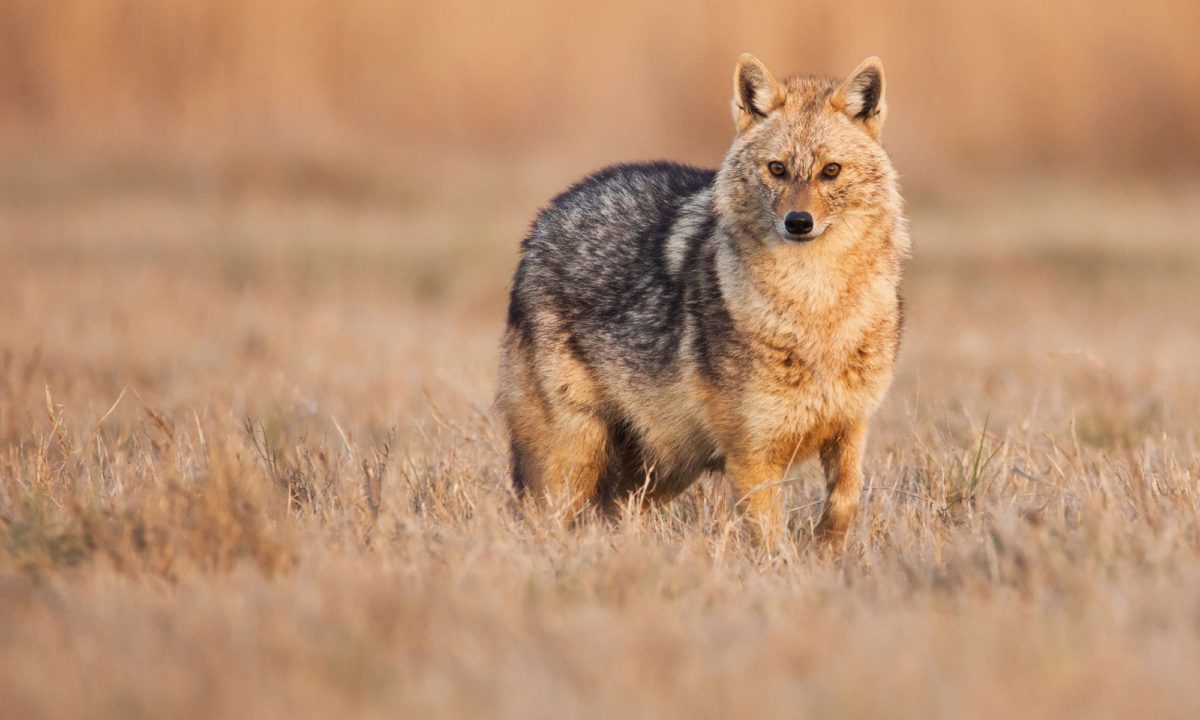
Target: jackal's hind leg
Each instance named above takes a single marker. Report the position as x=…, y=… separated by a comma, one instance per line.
x=560, y=445
x=575, y=454
x=562, y=466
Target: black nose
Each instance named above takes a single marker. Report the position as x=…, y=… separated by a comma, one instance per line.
x=798, y=223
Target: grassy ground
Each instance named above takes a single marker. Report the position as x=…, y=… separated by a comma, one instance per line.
x=248, y=469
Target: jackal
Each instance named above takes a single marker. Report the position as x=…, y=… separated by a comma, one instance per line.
x=666, y=320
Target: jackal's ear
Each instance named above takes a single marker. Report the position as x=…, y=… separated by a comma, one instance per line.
x=755, y=92
x=861, y=96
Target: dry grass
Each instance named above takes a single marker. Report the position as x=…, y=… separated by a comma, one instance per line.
x=247, y=469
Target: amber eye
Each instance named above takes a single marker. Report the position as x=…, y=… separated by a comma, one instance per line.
x=777, y=169
x=831, y=170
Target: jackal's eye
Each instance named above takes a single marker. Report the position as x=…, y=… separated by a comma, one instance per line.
x=830, y=171
x=776, y=168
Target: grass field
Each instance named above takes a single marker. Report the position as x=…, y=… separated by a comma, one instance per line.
x=248, y=468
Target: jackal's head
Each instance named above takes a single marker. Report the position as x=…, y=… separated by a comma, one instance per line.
x=807, y=158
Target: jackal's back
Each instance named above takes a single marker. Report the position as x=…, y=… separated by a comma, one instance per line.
x=597, y=265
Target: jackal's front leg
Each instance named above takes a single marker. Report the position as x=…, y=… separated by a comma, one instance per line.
x=841, y=456
x=756, y=483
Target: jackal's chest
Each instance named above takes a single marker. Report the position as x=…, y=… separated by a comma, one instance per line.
x=824, y=381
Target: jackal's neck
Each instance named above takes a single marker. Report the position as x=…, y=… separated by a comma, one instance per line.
x=846, y=277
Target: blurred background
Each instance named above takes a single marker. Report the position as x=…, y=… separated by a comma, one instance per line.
x=397, y=98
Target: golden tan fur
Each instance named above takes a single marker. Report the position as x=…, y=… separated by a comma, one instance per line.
x=817, y=325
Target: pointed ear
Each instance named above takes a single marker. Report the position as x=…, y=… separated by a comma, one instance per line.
x=755, y=92
x=861, y=96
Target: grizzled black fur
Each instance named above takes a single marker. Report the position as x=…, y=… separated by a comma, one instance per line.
x=596, y=258
x=595, y=266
